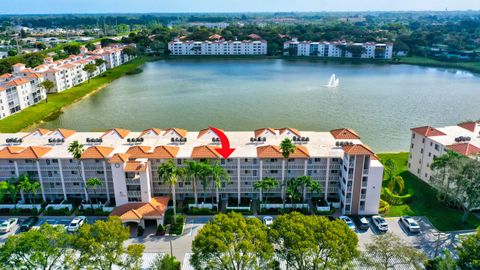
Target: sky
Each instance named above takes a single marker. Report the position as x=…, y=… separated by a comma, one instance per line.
x=146, y=6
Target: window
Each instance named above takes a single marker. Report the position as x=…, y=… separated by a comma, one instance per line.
x=99, y=172
x=247, y=171
x=412, y=146
x=246, y=160
x=54, y=160
x=317, y=159
x=179, y=162
x=413, y=136
x=74, y=172
x=423, y=140
x=437, y=147
x=421, y=151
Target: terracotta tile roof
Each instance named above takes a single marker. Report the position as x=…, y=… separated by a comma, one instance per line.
x=6, y=76
x=138, y=151
x=42, y=131
x=97, y=152
x=344, y=134
x=121, y=132
x=269, y=151
x=154, y=130
x=292, y=130
x=16, y=82
x=181, y=132
x=135, y=166
x=358, y=149
x=32, y=152
x=34, y=76
x=18, y=65
x=2, y=89
x=205, y=131
x=164, y=152
x=66, y=132
x=469, y=126
x=259, y=132
x=10, y=152
x=204, y=151
x=137, y=211
x=466, y=149
x=119, y=158
x=428, y=131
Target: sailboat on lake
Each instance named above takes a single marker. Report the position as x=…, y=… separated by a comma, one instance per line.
x=333, y=81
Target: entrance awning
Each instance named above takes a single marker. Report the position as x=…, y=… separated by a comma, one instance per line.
x=135, y=212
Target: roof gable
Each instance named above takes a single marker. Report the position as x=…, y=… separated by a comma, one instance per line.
x=264, y=132
x=97, y=152
x=204, y=151
x=285, y=131
x=178, y=131
x=344, y=134
x=428, y=131
x=207, y=131
x=121, y=133
x=151, y=132
x=164, y=152
x=471, y=126
x=466, y=149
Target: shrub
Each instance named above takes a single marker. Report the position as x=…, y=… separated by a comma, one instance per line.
x=384, y=207
x=50, y=211
x=201, y=211
x=161, y=230
x=134, y=71
x=93, y=212
x=394, y=199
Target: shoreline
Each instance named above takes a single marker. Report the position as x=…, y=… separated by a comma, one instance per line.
x=36, y=114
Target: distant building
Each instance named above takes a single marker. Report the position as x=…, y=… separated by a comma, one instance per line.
x=429, y=142
x=216, y=45
x=219, y=25
x=344, y=49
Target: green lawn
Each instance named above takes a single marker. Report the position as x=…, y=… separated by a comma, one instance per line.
x=424, y=61
x=36, y=113
x=424, y=201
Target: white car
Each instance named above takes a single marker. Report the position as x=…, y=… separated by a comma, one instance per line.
x=380, y=223
x=268, y=221
x=410, y=223
x=8, y=225
x=76, y=223
x=348, y=221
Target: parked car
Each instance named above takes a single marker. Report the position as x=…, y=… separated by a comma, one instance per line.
x=348, y=221
x=8, y=225
x=28, y=223
x=76, y=223
x=380, y=223
x=362, y=223
x=268, y=221
x=410, y=223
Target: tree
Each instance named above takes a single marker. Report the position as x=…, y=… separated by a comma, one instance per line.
x=292, y=191
x=48, y=86
x=130, y=51
x=231, y=242
x=101, y=246
x=90, y=69
x=165, y=262
x=468, y=251
x=13, y=190
x=388, y=251
x=76, y=150
x=313, y=242
x=287, y=148
x=12, y=53
x=467, y=184
x=43, y=248
x=440, y=167
x=396, y=182
x=90, y=46
x=219, y=177
x=194, y=170
x=72, y=49
x=390, y=168
x=99, y=62
x=266, y=184
x=169, y=173
x=34, y=188
x=93, y=183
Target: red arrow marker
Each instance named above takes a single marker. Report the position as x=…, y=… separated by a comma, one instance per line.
x=225, y=151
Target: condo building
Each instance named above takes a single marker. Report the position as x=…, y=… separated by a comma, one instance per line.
x=22, y=88
x=429, y=142
x=127, y=162
x=339, y=49
x=216, y=45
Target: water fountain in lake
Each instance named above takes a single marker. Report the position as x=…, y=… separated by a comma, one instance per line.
x=334, y=81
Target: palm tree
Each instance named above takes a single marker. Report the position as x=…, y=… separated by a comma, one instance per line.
x=266, y=184
x=76, y=150
x=34, y=187
x=13, y=190
x=292, y=191
x=24, y=185
x=170, y=173
x=308, y=182
x=93, y=183
x=194, y=171
x=314, y=186
x=205, y=178
x=287, y=148
x=219, y=176
x=396, y=181
x=390, y=168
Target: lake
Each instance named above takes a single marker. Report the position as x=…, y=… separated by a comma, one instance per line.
x=380, y=102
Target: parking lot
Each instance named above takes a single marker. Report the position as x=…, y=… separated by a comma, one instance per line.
x=59, y=221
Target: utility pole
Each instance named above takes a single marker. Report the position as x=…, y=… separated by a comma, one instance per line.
x=171, y=248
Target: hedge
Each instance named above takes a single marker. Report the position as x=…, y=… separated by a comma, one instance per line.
x=394, y=199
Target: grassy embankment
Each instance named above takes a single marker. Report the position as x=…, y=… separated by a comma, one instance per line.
x=56, y=102
x=429, y=62
x=424, y=201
